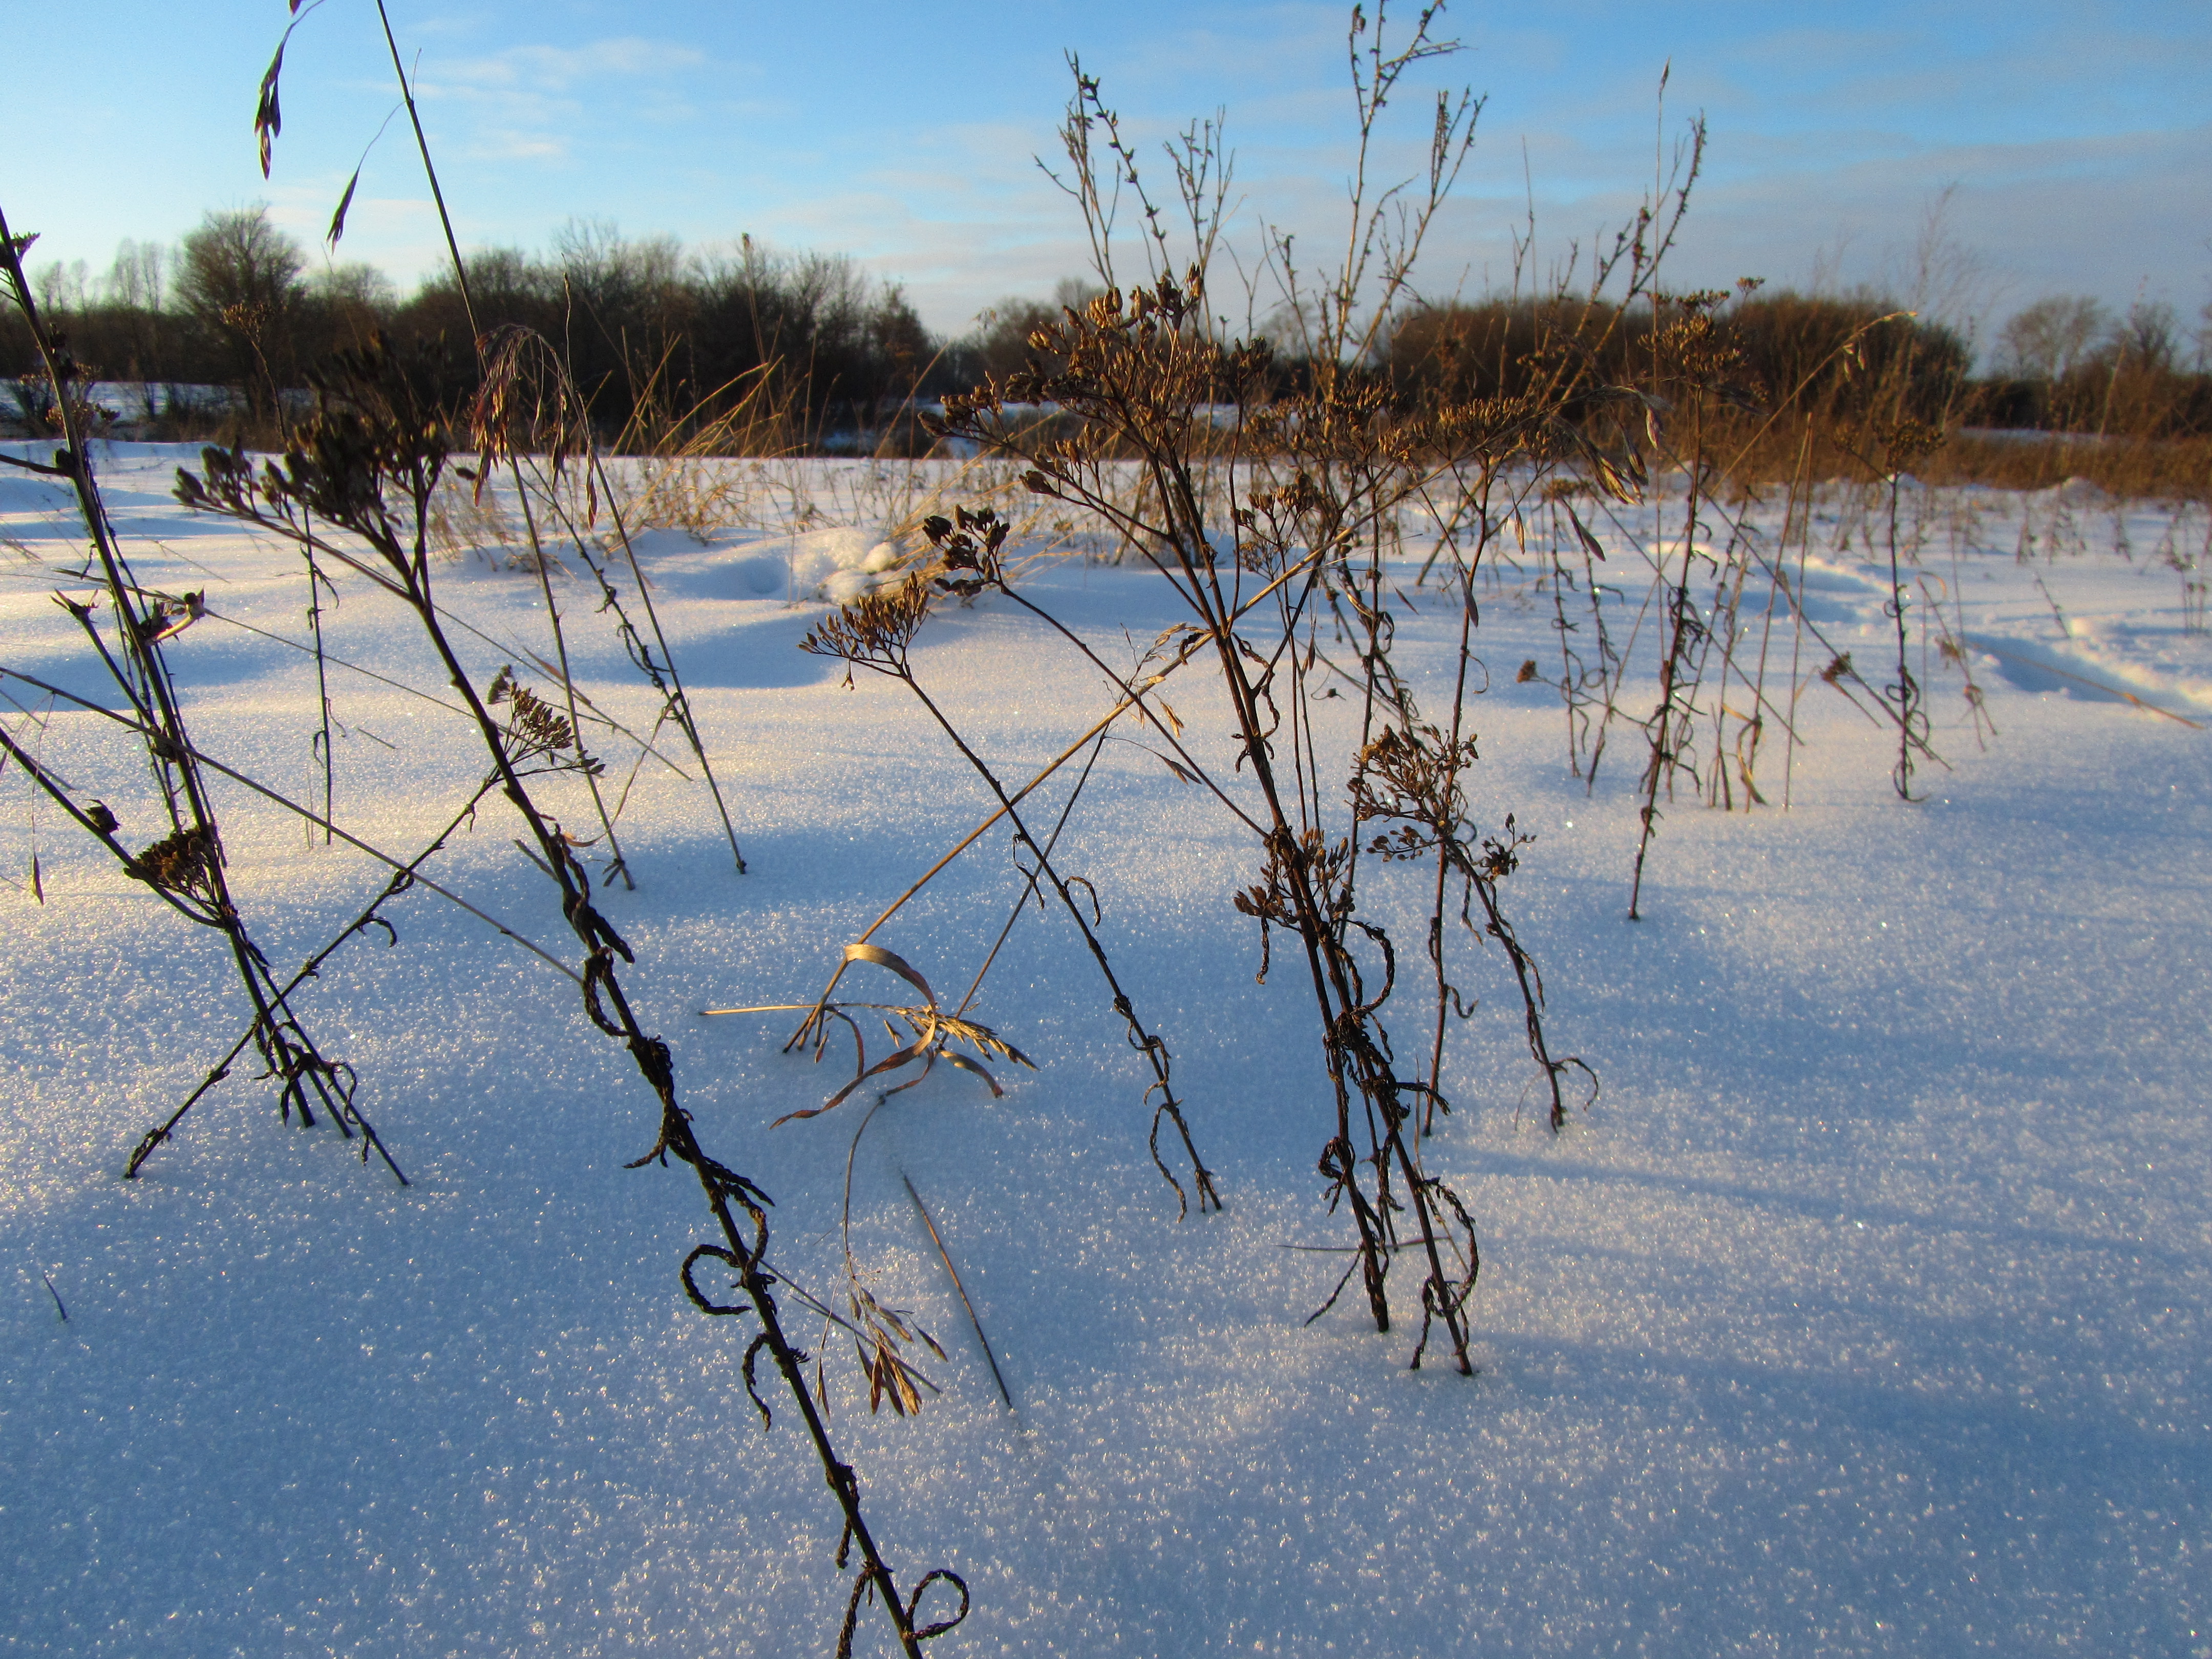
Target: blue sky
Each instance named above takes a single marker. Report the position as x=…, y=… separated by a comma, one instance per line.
x=2075, y=141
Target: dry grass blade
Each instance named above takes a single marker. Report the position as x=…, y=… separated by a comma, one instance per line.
x=953, y=1274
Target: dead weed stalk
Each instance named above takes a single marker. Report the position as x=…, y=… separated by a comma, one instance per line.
x=1270, y=506
x=370, y=464
x=185, y=866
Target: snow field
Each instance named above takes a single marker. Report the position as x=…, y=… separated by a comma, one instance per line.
x=1863, y=1314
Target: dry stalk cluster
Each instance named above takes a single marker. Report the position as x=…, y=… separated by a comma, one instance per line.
x=358, y=485
x=1270, y=503
x=1660, y=580
x=362, y=488
x=184, y=864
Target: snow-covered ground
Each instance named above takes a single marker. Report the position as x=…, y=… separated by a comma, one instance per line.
x=1865, y=1313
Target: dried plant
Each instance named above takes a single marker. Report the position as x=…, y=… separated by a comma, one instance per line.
x=876, y=632
x=529, y=415
x=1693, y=350
x=358, y=484
x=1270, y=512
x=186, y=865
x=1905, y=444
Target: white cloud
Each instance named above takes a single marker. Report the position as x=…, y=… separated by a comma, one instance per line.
x=558, y=69
x=539, y=102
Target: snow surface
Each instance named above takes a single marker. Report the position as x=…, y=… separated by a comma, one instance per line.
x=1865, y=1313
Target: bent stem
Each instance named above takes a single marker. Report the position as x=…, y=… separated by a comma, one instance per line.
x=376, y=437
x=188, y=866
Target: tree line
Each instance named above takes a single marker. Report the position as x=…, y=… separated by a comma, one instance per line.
x=648, y=329
x=657, y=335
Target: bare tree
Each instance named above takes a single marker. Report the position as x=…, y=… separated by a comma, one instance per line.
x=2048, y=339
x=139, y=280
x=352, y=301
x=61, y=287
x=239, y=277
x=2150, y=334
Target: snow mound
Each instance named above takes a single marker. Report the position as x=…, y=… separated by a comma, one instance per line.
x=839, y=564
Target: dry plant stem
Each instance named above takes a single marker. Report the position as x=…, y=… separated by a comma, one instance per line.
x=1444, y=827
x=1134, y=693
x=1031, y=878
x=508, y=360
x=1668, y=728
x=399, y=882
x=1146, y=1042
x=1619, y=681
x=310, y=816
x=678, y=700
x=316, y=582
x=1348, y=1046
x=1482, y=876
x=808, y=1027
x=1727, y=606
x=1343, y=1013
x=384, y=440
x=96, y=822
x=1774, y=571
x=1901, y=703
x=1349, y=1049
x=617, y=863
x=41, y=723
x=721, y=1186
x=662, y=670
x=1446, y=995
x=214, y=615
x=1910, y=732
x=1911, y=719
x=1796, y=651
x=1756, y=725
x=288, y=1052
x=953, y=1274
x=430, y=172
x=550, y=670
x=538, y=561
x=1796, y=603
x=599, y=716
x=1183, y=557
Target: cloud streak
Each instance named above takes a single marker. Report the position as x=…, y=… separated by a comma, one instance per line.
x=549, y=103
